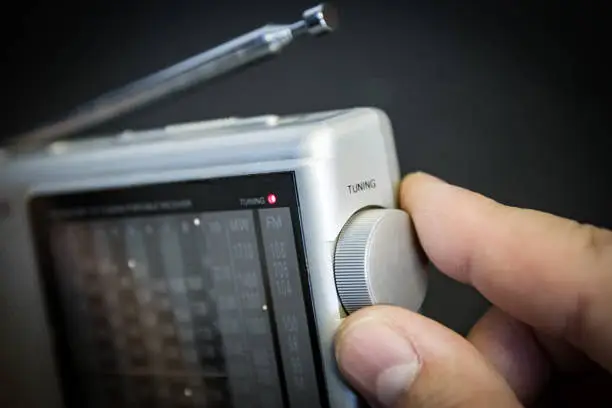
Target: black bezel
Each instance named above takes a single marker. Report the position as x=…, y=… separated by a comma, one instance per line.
x=217, y=194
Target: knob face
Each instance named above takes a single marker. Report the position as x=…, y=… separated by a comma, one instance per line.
x=377, y=261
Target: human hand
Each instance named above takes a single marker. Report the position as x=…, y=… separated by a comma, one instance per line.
x=547, y=340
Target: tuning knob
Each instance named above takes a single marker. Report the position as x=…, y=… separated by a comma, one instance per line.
x=378, y=261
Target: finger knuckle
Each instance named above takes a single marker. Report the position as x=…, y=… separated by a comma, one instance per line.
x=592, y=298
x=598, y=243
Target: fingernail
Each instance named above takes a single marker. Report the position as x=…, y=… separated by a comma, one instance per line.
x=377, y=360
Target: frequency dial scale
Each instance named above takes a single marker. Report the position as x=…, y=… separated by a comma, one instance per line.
x=378, y=261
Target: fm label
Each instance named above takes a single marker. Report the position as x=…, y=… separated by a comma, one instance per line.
x=361, y=186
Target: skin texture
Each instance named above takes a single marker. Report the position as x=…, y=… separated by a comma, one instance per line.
x=547, y=341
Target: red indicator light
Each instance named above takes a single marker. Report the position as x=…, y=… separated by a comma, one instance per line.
x=271, y=199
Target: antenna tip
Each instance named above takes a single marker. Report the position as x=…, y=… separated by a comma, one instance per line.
x=321, y=19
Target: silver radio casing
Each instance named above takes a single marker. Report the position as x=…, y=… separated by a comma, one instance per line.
x=327, y=151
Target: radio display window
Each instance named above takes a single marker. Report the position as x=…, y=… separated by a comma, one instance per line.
x=182, y=294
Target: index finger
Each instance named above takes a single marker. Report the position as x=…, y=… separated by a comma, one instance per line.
x=549, y=272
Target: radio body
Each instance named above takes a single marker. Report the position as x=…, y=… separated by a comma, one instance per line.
x=203, y=264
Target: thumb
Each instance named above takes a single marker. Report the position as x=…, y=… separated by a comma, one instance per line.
x=396, y=358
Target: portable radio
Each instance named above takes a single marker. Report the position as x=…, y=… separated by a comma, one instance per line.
x=204, y=264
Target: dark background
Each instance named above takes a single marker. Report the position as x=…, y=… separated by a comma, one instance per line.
x=509, y=98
